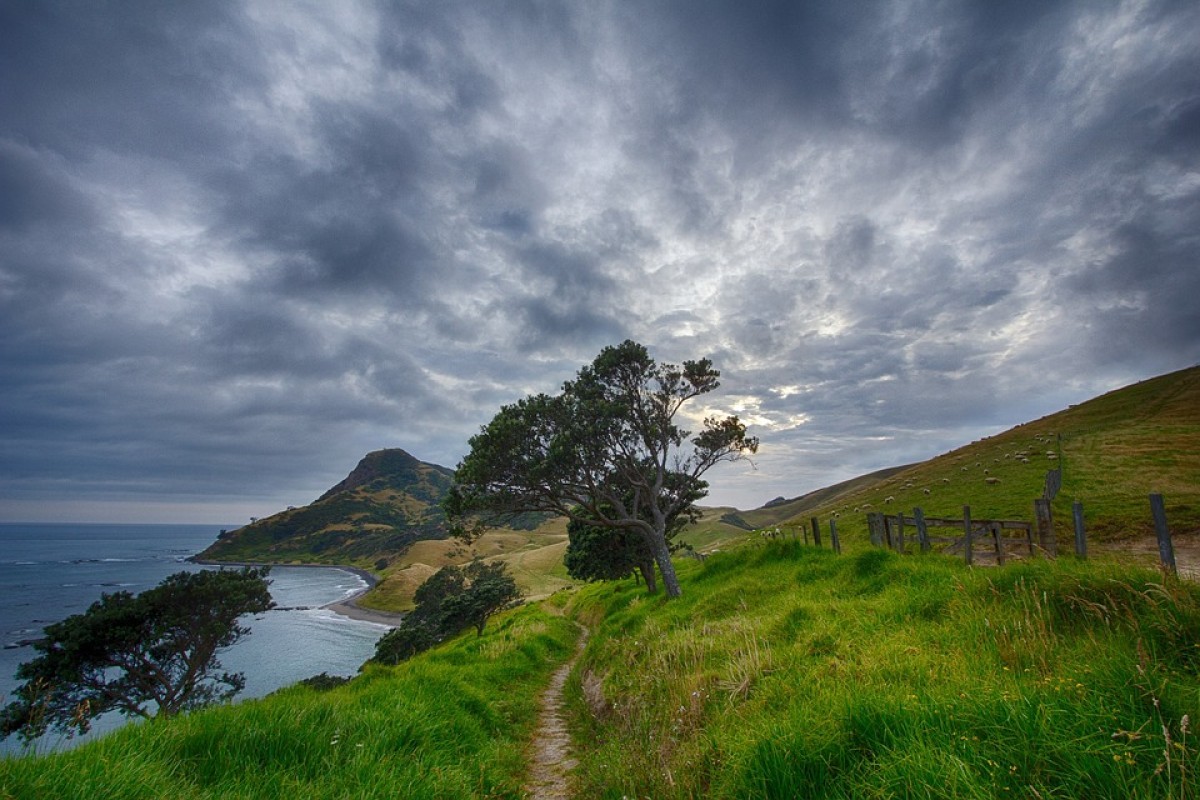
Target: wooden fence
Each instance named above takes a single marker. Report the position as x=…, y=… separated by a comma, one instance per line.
x=897, y=531
x=890, y=530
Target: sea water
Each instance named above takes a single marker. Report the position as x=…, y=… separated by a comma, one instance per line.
x=51, y=571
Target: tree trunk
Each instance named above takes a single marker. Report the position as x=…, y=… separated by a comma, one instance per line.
x=662, y=557
x=647, y=570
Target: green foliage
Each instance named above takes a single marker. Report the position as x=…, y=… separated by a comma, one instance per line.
x=451, y=723
x=606, y=451
x=451, y=599
x=489, y=589
x=324, y=682
x=595, y=553
x=388, y=502
x=788, y=671
x=153, y=653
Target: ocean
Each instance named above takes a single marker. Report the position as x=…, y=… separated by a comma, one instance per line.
x=51, y=571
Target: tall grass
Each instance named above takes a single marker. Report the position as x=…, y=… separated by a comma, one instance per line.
x=785, y=671
x=450, y=723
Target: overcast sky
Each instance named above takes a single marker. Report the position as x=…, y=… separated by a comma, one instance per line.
x=243, y=244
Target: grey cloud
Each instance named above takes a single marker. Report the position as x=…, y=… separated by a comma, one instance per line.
x=243, y=245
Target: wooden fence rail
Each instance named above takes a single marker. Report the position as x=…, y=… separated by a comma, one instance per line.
x=889, y=530
x=895, y=531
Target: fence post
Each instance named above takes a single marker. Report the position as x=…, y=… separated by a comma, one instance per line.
x=873, y=528
x=900, y=532
x=887, y=532
x=1045, y=525
x=816, y=531
x=833, y=537
x=967, y=529
x=998, y=540
x=1166, y=549
x=1080, y=536
x=922, y=530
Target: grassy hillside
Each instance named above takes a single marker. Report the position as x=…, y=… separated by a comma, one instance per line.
x=388, y=501
x=785, y=671
x=449, y=724
x=790, y=672
x=534, y=559
x=386, y=517
x=1113, y=451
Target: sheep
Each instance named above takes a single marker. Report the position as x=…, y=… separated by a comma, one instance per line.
x=926, y=491
x=992, y=481
x=888, y=499
x=945, y=480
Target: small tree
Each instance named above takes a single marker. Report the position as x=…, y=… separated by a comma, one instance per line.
x=606, y=451
x=151, y=654
x=451, y=599
x=490, y=588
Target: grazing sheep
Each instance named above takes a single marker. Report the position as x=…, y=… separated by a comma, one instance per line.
x=992, y=480
x=866, y=506
x=945, y=480
x=888, y=499
x=926, y=491
x=987, y=472
x=1024, y=460
x=1052, y=457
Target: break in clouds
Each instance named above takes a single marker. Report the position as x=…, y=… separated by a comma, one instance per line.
x=243, y=244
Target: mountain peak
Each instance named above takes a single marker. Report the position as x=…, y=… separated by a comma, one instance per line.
x=374, y=466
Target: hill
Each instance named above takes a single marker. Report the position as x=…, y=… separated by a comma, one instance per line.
x=783, y=671
x=386, y=517
x=388, y=501
x=1113, y=451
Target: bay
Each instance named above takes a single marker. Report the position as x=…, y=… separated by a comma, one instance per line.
x=51, y=571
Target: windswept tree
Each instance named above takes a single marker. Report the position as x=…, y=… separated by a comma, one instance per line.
x=607, y=451
x=151, y=654
x=597, y=553
x=451, y=599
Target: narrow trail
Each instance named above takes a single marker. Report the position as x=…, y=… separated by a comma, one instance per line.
x=550, y=750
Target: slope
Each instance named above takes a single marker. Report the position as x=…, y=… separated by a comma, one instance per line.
x=388, y=501
x=1113, y=451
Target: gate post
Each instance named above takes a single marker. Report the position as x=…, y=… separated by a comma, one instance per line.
x=1045, y=526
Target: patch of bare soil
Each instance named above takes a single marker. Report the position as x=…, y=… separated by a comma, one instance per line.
x=1186, y=546
x=550, y=751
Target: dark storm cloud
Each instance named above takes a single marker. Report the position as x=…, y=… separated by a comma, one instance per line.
x=142, y=76
x=242, y=244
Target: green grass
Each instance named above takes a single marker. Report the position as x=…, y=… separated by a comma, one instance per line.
x=1113, y=450
x=451, y=723
x=786, y=671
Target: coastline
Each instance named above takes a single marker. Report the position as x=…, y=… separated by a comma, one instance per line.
x=347, y=607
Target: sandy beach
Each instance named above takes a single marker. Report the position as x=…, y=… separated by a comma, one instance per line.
x=347, y=608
